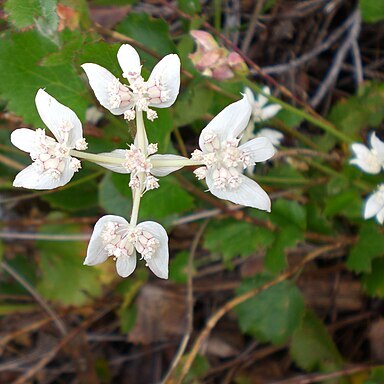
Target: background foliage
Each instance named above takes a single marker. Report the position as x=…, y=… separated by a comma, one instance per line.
x=323, y=319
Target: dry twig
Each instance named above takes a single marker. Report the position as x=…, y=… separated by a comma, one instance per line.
x=213, y=320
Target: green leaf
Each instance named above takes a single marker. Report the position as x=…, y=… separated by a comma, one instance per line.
x=233, y=238
x=291, y=219
x=168, y=199
x=111, y=199
x=178, y=268
x=72, y=45
x=64, y=278
x=347, y=202
x=369, y=246
x=189, y=105
x=357, y=112
x=76, y=198
x=129, y=289
x=312, y=348
x=272, y=315
x=377, y=376
x=41, y=13
x=373, y=282
x=372, y=10
x=286, y=237
x=100, y=52
x=316, y=220
x=189, y=6
x=283, y=174
x=21, y=76
x=288, y=212
x=152, y=33
x=22, y=13
x=159, y=131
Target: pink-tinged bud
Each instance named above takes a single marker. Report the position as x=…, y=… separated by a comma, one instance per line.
x=215, y=61
x=236, y=62
x=222, y=73
x=204, y=40
x=208, y=60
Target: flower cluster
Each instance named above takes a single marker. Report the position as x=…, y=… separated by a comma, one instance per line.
x=159, y=91
x=52, y=166
x=221, y=159
x=215, y=61
x=224, y=159
x=371, y=160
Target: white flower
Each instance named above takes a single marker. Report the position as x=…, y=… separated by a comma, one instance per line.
x=159, y=91
x=52, y=165
x=261, y=111
x=136, y=163
x=224, y=160
x=275, y=137
x=369, y=160
x=114, y=236
x=374, y=205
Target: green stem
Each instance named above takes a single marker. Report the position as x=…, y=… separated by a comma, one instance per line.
x=96, y=158
x=140, y=132
x=142, y=145
x=217, y=7
x=323, y=124
x=136, y=194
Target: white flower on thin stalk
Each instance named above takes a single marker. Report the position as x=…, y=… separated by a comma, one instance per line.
x=369, y=160
x=260, y=110
x=159, y=91
x=374, y=205
x=225, y=160
x=139, y=165
x=114, y=236
x=52, y=164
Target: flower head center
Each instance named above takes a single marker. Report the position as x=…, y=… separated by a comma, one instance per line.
x=122, y=240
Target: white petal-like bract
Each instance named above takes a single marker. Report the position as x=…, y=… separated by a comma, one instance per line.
x=229, y=123
x=164, y=171
x=106, y=88
x=249, y=193
x=24, y=139
x=166, y=75
x=30, y=178
x=118, y=168
x=125, y=265
x=158, y=263
x=96, y=252
x=58, y=118
x=129, y=61
x=258, y=149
